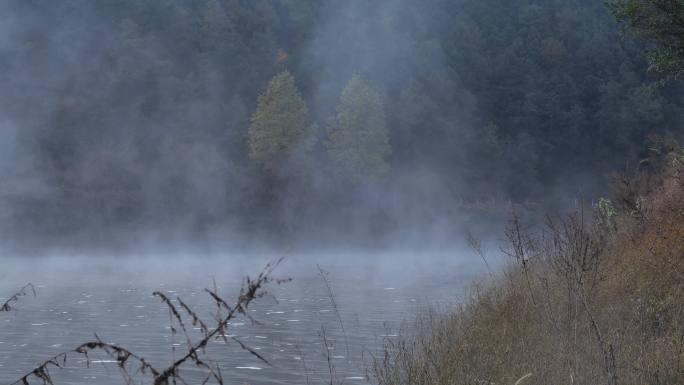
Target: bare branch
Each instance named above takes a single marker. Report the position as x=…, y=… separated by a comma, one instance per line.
x=12, y=301
x=127, y=360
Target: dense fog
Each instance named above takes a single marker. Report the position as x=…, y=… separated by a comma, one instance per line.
x=163, y=124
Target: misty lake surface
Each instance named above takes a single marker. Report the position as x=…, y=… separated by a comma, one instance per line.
x=78, y=298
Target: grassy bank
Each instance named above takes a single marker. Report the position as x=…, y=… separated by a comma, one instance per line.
x=593, y=297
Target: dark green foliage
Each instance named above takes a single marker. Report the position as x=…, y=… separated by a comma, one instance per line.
x=662, y=23
x=136, y=113
x=280, y=126
x=358, y=141
x=566, y=97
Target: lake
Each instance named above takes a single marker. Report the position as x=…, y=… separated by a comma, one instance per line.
x=112, y=297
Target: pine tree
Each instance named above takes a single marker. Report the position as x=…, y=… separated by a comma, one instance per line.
x=280, y=127
x=358, y=141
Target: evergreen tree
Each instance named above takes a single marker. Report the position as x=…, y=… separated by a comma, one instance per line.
x=358, y=139
x=217, y=28
x=660, y=21
x=280, y=127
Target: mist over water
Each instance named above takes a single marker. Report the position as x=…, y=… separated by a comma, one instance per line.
x=166, y=144
x=80, y=297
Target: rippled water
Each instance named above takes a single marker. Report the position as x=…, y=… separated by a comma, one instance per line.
x=113, y=299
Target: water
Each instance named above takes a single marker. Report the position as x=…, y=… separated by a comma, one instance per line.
x=77, y=300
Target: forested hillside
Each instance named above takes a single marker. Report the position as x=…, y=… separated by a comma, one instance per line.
x=589, y=297
x=281, y=117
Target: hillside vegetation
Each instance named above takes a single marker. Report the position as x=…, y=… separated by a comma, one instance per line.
x=341, y=121
x=591, y=298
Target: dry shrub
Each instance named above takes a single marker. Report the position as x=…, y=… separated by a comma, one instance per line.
x=592, y=298
x=134, y=368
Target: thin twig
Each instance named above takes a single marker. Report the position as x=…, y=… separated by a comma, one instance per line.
x=251, y=290
x=12, y=301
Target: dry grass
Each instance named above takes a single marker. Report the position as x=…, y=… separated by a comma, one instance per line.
x=591, y=298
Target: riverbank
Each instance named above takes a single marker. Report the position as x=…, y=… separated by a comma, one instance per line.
x=593, y=297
